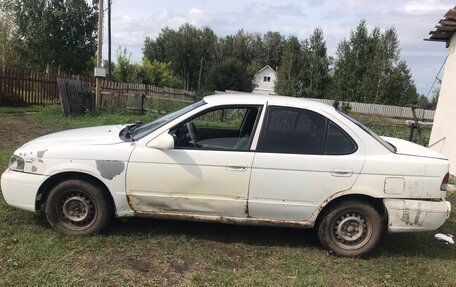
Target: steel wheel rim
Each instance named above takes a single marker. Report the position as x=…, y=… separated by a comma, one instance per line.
x=351, y=230
x=77, y=210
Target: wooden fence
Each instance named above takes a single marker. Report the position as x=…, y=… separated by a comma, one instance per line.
x=149, y=91
x=23, y=87
x=78, y=96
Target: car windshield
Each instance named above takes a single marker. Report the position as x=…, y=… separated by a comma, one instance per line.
x=146, y=129
x=386, y=144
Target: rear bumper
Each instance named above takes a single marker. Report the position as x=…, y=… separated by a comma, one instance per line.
x=20, y=189
x=406, y=215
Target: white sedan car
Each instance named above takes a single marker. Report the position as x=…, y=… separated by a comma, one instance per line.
x=243, y=159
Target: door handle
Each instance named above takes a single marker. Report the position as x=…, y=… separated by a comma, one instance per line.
x=236, y=167
x=342, y=172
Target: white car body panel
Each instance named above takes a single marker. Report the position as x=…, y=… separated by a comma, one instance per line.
x=189, y=181
x=416, y=215
x=25, y=186
x=309, y=180
x=239, y=186
x=104, y=156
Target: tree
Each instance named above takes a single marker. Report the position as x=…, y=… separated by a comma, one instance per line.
x=188, y=50
x=8, y=55
x=59, y=35
x=230, y=74
x=304, y=70
x=316, y=71
x=155, y=73
x=288, y=82
x=399, y=87
x=273, y=44
x=124, y=68
x=352, y=59
x=367, y=69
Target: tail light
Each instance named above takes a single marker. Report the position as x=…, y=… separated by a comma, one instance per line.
x=445, y=180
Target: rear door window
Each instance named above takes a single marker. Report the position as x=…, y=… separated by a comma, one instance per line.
x=300, y=131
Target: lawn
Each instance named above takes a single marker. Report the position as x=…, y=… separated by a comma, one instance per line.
x=150, y=252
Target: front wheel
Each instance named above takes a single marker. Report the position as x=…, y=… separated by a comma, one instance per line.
x=352, y=228
x=77, y=207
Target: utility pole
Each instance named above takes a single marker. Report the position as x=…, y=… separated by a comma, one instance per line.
x=109, y=40
x=99, y=56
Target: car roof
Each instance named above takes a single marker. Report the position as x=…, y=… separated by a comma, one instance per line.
x=246, y=98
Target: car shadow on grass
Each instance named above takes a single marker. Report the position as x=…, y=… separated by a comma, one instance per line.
x=391, y=245
x=218, y=232
x=413, y=245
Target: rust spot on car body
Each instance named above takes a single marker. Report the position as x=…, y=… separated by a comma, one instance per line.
x=110, y=168
x=417, y=216
x=406, y=216
x=224, y=219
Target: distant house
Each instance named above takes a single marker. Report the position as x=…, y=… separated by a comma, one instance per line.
x=265, y=81
x=443, y=135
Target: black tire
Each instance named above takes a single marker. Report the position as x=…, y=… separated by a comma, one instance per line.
x=77, y=207
x=351, y=228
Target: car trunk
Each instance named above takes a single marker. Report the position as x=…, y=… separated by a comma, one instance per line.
x=408, y=148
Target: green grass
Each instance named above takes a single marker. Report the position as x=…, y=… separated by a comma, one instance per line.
x=151, y=252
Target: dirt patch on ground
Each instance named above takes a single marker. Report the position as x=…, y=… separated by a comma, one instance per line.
x=181, y=265
x=20, y=128
x=225, y=248
x=137, y=265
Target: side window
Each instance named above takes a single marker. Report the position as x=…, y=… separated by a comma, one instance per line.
x=291, y=130
x=226, y=128
x=298, y=131
x=337, y=141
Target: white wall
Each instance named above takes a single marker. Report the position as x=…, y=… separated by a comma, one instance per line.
x=266, y=86
x=445, y=115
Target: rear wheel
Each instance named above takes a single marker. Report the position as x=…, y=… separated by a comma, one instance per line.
x=352, y=228
x=77, y=207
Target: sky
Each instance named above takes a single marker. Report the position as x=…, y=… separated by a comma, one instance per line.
x=133, y=20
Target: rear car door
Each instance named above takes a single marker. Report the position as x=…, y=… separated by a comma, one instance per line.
x=302, y=158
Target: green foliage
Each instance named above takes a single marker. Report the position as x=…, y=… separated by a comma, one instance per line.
x=8, y=55
x=367, y=69
x=316, y=72
x=288, y=81
x=189, y=50
x=152, y=73
x=230, y=74
x=305, y=68
x=159, y=74
x=58, y=35
x=124, y=68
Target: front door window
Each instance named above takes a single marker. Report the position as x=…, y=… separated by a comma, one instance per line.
x=227, y=128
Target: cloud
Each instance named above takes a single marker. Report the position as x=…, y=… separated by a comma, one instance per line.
x=413, y=19
x=423, y=7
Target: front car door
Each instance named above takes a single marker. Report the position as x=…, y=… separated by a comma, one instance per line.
x=303, y=157
x=207, y=172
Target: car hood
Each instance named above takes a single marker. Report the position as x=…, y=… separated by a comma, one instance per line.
x=102, y=135
x=408, y=148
